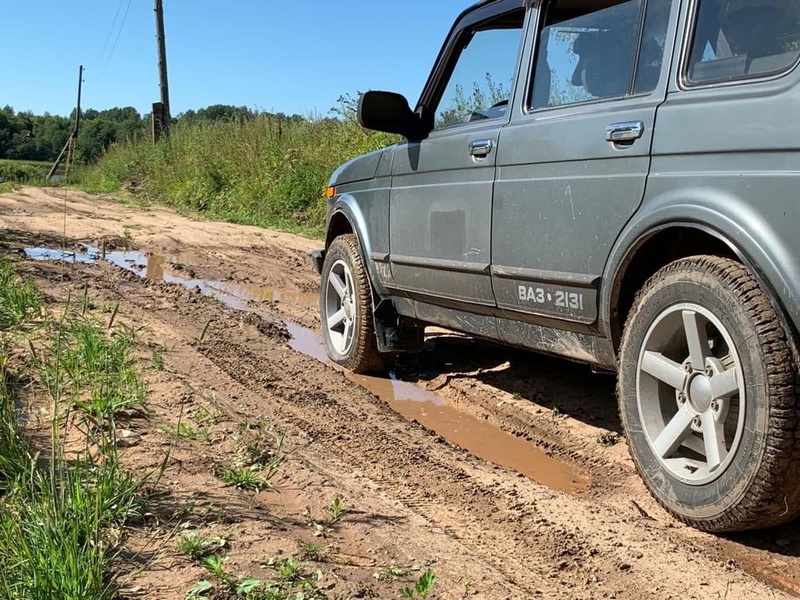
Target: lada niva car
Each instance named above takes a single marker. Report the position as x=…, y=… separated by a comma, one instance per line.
x=611, y=181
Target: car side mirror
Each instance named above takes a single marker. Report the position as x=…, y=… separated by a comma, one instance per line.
x=388, y=112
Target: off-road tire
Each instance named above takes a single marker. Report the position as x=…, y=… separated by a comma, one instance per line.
x=361, y=354
x=760, y=487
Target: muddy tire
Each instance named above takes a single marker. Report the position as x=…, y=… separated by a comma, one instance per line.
x=707, y=397
x=345, y=304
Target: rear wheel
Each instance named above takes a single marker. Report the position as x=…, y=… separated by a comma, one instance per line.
x=707, y=397
x=346, y=308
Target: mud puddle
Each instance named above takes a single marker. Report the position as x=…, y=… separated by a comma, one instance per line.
x=160, y=267
x=479, y=437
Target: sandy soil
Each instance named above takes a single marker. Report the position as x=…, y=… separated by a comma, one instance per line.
x=504, y=471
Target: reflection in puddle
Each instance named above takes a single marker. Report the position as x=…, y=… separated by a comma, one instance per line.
x=61, y=255
x=158, y=267
x=479, y=437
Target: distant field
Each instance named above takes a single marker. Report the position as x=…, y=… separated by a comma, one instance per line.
x=24, y=171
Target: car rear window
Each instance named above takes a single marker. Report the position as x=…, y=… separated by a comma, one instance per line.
x=743, y=39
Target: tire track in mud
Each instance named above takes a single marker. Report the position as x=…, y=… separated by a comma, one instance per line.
x=545, y=544
x=496, y=525
x=507, y=521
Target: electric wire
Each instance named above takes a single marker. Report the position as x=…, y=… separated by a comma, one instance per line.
x=114, y=45
x=110, y=33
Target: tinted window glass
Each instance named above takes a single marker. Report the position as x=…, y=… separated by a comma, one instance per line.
x=482, y=78
x=739, y=39
x=654, y=38
x=588, y=57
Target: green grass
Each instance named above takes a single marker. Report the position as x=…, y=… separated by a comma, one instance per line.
x=335, y=511
x=24, y=171
x=292, y=582
x=422, y=588
x=19, y=300
x=95, y=368
x=263, y=171
x=196, y=546
x=259, y=460
x=62, y=515
x=243, y=478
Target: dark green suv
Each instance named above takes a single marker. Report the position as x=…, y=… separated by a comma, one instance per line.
x=614, y=182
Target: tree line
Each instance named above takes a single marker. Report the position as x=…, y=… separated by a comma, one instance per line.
x=26, y=136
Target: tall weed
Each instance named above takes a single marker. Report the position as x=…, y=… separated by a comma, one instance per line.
x=61, y=513
x=266, y=170
x=19, y=300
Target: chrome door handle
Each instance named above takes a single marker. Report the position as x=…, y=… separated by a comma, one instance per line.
x=480, y=148
x=627, y=131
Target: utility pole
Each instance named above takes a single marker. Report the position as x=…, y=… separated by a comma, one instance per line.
x=78, y=112
x=162, y=66
x=70, y=145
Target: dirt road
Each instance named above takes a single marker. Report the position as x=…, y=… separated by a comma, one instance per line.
x=503, y=471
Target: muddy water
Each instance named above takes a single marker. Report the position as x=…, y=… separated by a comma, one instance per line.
x=479, y=437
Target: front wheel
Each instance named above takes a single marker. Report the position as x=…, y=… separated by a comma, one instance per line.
x=346, y=308
x=707, y=397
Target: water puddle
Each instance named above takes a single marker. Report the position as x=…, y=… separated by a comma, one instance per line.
x=159, y=267
x=771, y=575
x=479, y=437
x=59, y=255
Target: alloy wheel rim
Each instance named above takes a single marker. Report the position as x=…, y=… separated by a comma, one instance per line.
x=340, y=307
x=690, y=393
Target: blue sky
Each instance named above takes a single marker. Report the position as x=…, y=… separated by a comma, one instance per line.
x=292, y=57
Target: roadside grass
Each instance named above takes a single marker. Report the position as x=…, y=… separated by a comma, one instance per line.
x=19, y=300
x=66, y=503
x=62, y=512
x=264, y=171
x=95, y=370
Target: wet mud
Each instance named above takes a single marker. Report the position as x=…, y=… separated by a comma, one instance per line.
x=479, y=437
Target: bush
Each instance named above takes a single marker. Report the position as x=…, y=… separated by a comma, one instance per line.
x=23, y=171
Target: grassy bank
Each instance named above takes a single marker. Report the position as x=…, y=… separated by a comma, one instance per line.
x=63, y=497
x=24, y=171
x=265, y=170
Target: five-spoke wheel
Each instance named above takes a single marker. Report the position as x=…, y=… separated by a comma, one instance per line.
x=340, y=306
x=346, y=308
x=690, y=393
x=707, y=397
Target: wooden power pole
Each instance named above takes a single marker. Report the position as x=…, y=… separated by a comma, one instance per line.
x=162, y=66
x=70, y=145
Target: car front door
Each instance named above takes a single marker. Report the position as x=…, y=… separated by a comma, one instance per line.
x=441, y=198
x=572, y=166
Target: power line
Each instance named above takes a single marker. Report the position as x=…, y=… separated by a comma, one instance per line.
x=114, y=46
x=110, y=32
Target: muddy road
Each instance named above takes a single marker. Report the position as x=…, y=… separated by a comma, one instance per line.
x=503, y=471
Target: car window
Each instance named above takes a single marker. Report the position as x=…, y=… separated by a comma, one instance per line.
x=482, y=77
x=651, y=47
x=587, y=57
x=741, y=39
x=589, y=54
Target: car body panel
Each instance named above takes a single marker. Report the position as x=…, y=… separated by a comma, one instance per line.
x=486, y=247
